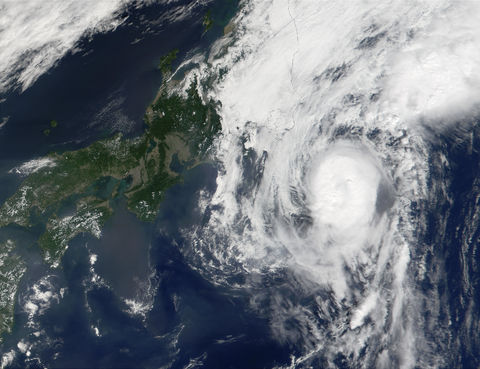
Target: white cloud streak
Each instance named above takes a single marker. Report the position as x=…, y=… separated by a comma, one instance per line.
x=35, y=34
x=322, y=107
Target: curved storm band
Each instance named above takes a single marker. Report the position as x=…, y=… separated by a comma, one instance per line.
x=329, y=115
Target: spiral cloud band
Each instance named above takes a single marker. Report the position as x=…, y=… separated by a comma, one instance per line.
x=329, y=112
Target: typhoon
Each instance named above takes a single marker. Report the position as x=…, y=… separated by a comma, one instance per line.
x=346, y=199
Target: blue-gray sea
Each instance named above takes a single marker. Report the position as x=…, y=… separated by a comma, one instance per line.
x=103, y=89
x=188, y=322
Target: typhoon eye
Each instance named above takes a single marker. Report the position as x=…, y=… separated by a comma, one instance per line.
x=344, y=187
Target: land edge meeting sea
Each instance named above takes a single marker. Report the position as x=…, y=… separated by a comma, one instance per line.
x=180, y=127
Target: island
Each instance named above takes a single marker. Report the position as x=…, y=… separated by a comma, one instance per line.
x=72, y=191
x=12, y=268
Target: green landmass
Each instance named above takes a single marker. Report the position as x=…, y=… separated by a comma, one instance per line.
x=74, y=191
x=207, y=21
x=166, y=61
x=12, y=269
x=73, y=194
x=53, y=124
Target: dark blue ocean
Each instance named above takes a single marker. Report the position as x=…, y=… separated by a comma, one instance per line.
x=454, y=231
x=189, y=322
x=103, y=89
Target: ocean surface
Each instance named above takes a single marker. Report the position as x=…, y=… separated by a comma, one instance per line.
x=337, y=225
x=175, y=318
x=103, y=86
x=188, y=320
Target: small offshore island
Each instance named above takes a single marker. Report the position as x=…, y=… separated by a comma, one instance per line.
x=71, y=192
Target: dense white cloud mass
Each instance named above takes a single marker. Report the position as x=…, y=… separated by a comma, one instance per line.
x=35, y=34
x=343, y=188
x=32, y=166
x=324, y=161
